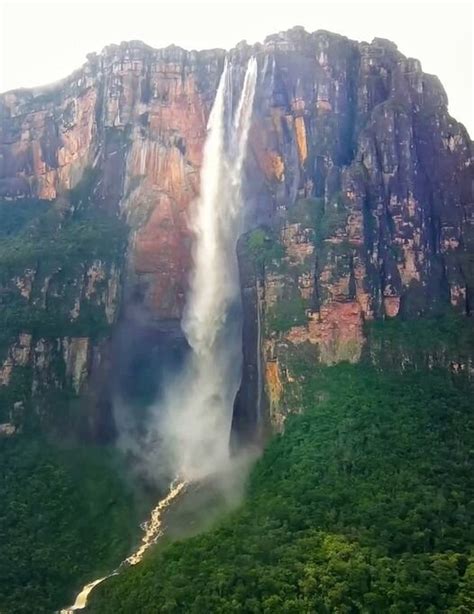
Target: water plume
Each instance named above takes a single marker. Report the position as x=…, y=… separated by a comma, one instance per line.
x=195, y=418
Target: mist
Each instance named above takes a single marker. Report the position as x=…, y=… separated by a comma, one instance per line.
x=185, y=436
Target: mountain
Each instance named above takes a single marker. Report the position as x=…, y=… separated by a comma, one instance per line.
x=350, y=137
x=358, y=246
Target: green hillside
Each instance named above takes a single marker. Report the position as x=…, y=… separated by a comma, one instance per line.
x=364, y=504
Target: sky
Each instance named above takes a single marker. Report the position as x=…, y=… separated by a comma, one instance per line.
x=41, y=42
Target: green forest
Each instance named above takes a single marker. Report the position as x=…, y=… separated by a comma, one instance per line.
x=364, y=504
x=65, y=517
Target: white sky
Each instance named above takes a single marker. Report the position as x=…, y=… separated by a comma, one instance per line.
x=41, y=41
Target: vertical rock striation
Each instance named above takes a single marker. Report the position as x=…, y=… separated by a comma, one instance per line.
x=355, y=167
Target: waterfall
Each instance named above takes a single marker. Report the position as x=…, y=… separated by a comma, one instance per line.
x=153, y=528
x=195, y=419
x=197, y=412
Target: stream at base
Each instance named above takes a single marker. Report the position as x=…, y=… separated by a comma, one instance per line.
x=153, y=530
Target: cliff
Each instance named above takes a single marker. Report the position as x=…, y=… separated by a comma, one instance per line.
x=358, y=199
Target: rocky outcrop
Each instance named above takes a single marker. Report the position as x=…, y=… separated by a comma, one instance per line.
x=51, y=362
x=354, y=164
x=18, y=355
x=60, y=289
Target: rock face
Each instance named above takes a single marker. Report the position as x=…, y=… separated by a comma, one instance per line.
x=354, y=165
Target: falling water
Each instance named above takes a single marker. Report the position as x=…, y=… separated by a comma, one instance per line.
x=195, y=418
x=198, y=411
x=81, y=599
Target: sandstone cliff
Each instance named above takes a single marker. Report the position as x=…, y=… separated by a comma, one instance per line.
x=360, y=182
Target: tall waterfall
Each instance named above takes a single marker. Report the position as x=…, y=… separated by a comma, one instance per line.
x=196, y=414
x=198, y=408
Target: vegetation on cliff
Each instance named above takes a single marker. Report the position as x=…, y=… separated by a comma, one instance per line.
x=56, y=250
x=55, y=241
x=58, y=261
x=264, y=248
x=268, y=256
x=445, y=340
x=364, y=504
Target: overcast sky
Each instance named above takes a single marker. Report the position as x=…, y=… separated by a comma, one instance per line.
x=45, y=41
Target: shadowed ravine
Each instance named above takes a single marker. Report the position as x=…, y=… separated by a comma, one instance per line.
x=193, y=421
